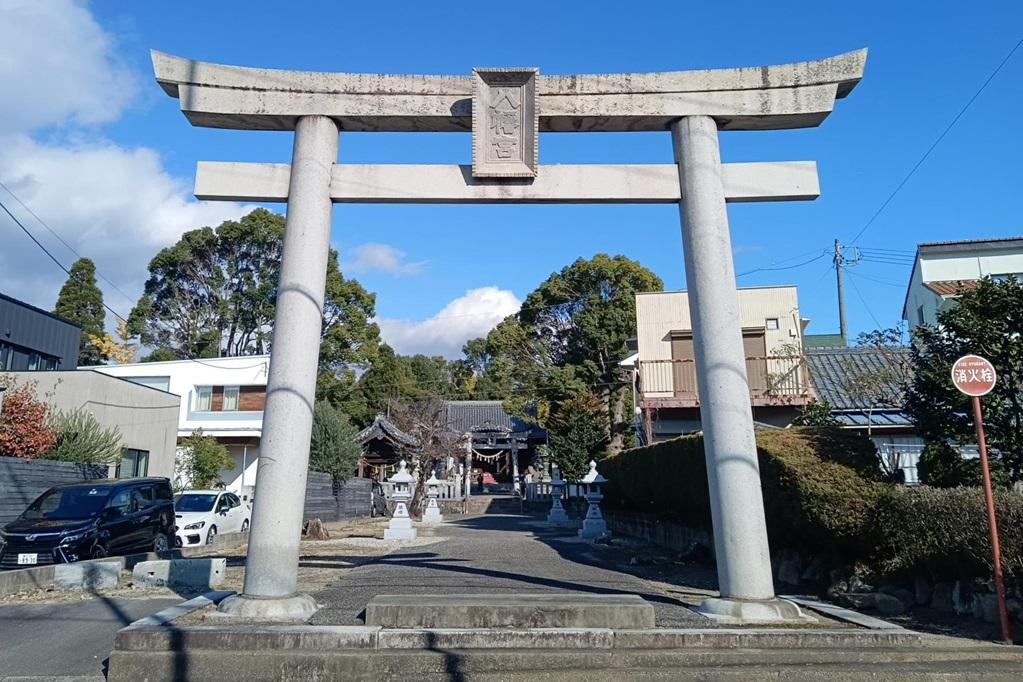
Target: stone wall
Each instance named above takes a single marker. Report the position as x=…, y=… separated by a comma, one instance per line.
x=673, y=536
x=22, y=481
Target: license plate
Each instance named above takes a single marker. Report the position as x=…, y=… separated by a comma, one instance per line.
x=28, y=559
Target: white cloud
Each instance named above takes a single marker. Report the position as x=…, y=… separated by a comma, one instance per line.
x=57, y=65
x=380, y=258
x=467, y=317
x=114, y=204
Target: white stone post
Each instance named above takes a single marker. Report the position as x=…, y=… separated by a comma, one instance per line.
x=271, y=569
x=432, y=515
x=400, y=527
x=736, y=501
x=594, y=526
x=557, y=516
x=516, y=485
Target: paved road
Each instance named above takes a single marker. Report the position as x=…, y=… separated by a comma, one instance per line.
x=492, y=554
x=66, y=638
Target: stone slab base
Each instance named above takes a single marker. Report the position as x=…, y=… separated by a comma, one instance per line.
x=753, y=612
x=295, y=608
x=542, y=610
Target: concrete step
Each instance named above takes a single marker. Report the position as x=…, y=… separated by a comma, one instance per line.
x=538, y=610
x=909, y=664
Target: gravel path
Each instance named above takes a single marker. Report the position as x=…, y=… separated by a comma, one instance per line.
x=492, y=554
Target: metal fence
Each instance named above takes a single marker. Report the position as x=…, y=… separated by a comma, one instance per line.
x=781, y=376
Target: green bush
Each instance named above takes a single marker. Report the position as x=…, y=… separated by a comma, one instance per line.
x=820, y=485
x=81, y=438
x=942, y=467
x=944, y=532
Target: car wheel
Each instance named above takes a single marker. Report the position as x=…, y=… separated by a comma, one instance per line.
x=211, y=535
x=245, y=526
x=98, y=552
x=160, y=543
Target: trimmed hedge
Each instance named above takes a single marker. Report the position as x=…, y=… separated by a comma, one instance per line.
x=824, y=494
x=944, y=532
x=813, y=493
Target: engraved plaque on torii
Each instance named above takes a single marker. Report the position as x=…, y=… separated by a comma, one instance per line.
x=505, y=123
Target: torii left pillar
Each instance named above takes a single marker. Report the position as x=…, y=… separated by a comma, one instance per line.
x=271, y=570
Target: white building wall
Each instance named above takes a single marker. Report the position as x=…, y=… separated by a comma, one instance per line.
x=184, y=376
x=953, y=266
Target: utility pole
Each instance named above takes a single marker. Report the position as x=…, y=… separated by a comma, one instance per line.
x=839, y=262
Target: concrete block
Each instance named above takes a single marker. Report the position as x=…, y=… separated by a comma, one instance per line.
x=195, y=574
x=494, y=638
x=543, y=610
x=88, y=575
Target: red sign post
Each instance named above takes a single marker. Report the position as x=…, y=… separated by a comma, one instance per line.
x=975, y=376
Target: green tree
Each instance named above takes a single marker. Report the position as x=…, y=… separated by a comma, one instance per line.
x=201, y=460
x=333, y=449
x=566, y=340
x=817, y=413
x=577, y=434
x=81, y=438
x=214, y=293
x=81, y=301
x=987, y=321
x=942, y=466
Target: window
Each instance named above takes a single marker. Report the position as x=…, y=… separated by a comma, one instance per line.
x=771, y=323
x=203, y=398
x=920, y=314
x=161, y=383
x=121, y=502
x=142, y=498
x=134, y=463
x=40, y=362
x=6, y=357
x=231, y=398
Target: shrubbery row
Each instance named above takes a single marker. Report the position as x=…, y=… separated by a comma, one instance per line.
x=824, y=494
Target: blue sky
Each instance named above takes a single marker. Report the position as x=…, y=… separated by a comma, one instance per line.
x=422, y=260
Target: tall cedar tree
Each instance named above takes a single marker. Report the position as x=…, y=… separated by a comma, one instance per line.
x=565, y=342
x=986, y=321
x=214, y=293
x=81, y=301
x=333, y=448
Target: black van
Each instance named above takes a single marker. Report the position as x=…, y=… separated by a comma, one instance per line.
x=91, y=520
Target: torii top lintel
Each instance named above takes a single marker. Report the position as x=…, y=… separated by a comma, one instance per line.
x=795, y=95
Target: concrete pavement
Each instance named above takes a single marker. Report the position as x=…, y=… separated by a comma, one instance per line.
x=70, y=639
x=494, y=555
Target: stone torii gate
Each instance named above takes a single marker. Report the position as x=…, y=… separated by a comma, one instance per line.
x=505, y=110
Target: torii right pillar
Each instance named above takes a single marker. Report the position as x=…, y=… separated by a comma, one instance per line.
x=736, y=501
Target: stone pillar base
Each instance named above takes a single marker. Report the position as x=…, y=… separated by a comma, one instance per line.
x=432, y=517
x=753, y=611
x=559, y=519
x=593, y=529
x=296, y=607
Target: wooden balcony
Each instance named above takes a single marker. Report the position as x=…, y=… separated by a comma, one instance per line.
x=773, y=380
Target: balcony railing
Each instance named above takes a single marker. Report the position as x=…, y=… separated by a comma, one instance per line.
x=773, y=380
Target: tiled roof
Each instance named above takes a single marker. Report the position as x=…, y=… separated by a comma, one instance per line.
x=973, y=243
x=830, y=369
x=382, y=427
x=951, y=287
x=464, y=416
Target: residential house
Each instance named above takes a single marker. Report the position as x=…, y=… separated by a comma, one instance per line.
x=943, y=269
x=33, y=339
x=146, y=418
x=862, y=385
x=667, y=397
x=222, y=396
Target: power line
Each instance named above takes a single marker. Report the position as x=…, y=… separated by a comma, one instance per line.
x=52, y=257
x=61, y=240
x=787, y=267
x=877, y=279
x=936, y=142
x=864, y=302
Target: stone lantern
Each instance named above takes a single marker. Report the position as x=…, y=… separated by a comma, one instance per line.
x=400, y=527
x=593, y=525
x=557, y=516
x=432, y=515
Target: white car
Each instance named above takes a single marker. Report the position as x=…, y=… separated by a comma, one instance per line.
x=201, y=514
